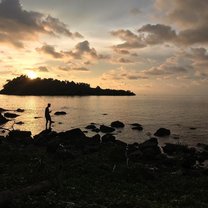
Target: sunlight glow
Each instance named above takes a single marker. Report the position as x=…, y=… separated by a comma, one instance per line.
x=32, y=74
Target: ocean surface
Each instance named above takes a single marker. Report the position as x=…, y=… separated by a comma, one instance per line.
x=177, y=113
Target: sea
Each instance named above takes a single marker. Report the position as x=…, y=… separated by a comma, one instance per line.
x=185, y=116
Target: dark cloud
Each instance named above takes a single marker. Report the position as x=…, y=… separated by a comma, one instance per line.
x=18, y=25
x=130, y=39
x=43, y=69
x=83, y=49
x=124, y=61
x=158, y=33
x=50, y=50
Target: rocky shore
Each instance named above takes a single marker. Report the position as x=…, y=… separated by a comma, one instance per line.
x=70, y=169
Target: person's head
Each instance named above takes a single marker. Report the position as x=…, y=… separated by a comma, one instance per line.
x=49, y=105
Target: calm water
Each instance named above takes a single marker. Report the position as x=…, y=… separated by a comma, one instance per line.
x=178, y=113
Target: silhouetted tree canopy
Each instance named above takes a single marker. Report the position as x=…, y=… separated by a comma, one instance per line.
x=23, y=85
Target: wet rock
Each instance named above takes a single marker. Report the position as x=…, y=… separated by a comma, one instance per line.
x=193, y=128
x=120, y=143
x=91, y=126
x=10, y=115
x=139, y=128
x=106, y=129
x=108, y=138
x=3, y=120
x=59, y=113
x=20, y=123
x=162, y=132
x=117, y=124
x=135, y=124
x=20, y=110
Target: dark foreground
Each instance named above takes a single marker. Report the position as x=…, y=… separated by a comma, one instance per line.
x=70, y=170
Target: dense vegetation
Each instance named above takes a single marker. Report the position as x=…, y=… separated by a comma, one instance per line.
x=23, y=85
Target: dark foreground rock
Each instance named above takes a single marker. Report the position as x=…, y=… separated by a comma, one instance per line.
x=20, y=110
x=162, y=132
x=91, y=126
x=108, y=138
x=117, y=124
x=106, y=129
x=3, y=120
x=22, y=137
x=11, y=115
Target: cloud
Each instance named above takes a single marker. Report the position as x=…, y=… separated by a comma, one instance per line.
x=18, y=25
x=190, y=18
x=130, y=39
x=122, y=74
x=50, y=50
x=135, y=11
x=43, y=69
x=158, y=33
x=78, y=69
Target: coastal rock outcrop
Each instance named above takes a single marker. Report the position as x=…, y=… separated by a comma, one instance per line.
x=108, y=138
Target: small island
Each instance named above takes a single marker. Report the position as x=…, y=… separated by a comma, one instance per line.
x=23, y=85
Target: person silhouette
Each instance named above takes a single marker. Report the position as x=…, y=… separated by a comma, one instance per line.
x=48, y=116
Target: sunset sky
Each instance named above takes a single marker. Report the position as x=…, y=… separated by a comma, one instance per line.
x=147, y=46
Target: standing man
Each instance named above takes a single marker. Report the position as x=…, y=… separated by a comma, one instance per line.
x=48, y=116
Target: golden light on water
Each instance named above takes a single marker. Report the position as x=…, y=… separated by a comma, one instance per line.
x=32, y=74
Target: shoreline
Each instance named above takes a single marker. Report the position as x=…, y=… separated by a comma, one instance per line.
x=59, y=169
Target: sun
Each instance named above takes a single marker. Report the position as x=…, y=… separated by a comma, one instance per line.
x=32, y=74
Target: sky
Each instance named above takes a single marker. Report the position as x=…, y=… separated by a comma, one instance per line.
x=146, y=46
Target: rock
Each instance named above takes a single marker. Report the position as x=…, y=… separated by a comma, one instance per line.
x=193, y=128
x=65, y=153
x=117, y=124
x=96, y=130
x=150, y=148
x=108, y=138
x=2, y=110
x=91, y=126
x=135, y=124
x=162, y=132
x=188, y=161
x=74, y=137
x=22, y=137
x=19, y=110
x=37, y=117
x=20, y=123
x=20, y=134
x=52, y=146
x=11, y=115
x=95, y=139
x=135, y=156
x=3, y=120
x=172, y=149
x=58, y=113
x=120, y=143
x=45, y=137
x=106, y=129
x=139, y=128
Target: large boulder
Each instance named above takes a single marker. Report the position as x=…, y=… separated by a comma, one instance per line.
x=74, y=137
x=162, y=132
x=10, y=115
x=117, y=124
x=3, y=120
x=106, y=129
x=22, y=137
x=108, y=138
x=150, y=148
x=45, y=137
